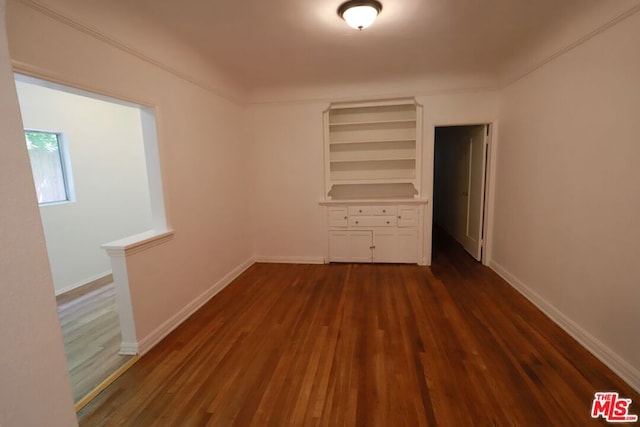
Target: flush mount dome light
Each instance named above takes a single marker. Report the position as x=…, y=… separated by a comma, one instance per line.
x=359, y=14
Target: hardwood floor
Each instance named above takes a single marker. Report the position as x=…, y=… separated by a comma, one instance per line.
x=365, y=345
x=91, y=332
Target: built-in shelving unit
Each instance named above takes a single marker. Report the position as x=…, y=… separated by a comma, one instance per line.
x=373, y=144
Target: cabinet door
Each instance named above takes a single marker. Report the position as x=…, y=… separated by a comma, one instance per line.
x=360, y=243
x=350, y=246
x=407, y=246
x=384, y=243
x=407, y=216
x=399, y=246
x=339, y=246
x=338, y=216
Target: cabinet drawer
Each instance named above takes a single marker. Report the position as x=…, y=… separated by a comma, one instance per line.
x=407, y=217
x=338, y=217
x=372, y=221
x=360, y=210
x=383, y=210
x=372, y=210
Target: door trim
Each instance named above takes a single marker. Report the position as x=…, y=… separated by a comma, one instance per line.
x=489, y=192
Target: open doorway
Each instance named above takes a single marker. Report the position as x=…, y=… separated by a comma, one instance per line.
x=460, y=178
x=89, y=161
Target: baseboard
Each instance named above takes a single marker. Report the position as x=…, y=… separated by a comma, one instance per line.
x=607, y=356
x=129, y=348
x=147, y=343
x=106, y=383
x=290, y=259
x=81, y=288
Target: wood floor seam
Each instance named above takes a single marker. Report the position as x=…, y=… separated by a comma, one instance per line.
x=363, y=345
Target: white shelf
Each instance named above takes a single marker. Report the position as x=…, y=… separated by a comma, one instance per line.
x=385, y=201
x=373, y=141
x=394, y=131
x=405, y=150
x=389, y=159
x=372, y=122
x=373, y=148
x=379, y=104
x=374, y=181
x=372, y=113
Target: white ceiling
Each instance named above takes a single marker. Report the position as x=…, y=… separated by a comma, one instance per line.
x=267, y=43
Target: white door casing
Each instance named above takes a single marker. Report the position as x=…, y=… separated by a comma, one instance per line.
x=472, y=240
x=460, y=165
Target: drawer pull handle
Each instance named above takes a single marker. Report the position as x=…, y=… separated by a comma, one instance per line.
x=345, y=217
x=399, y=216
x=387, y=222
x=356, y=222
x=360, y=210
x=384, y=211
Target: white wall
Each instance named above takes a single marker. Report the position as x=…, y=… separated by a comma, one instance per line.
x=289, y=180
x=202, y=145
x=288, y=163
x=567, y=198
x=106, y=149
x=35, y=389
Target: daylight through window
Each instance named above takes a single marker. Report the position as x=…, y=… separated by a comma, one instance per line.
x=48, y=166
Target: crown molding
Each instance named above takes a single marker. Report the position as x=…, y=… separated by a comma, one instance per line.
x=128, y=48
x=536, y=65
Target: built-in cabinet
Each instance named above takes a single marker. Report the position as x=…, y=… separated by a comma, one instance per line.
x=373, y=153
x=375, y=233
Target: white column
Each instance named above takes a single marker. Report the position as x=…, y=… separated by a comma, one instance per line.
x=119, y=251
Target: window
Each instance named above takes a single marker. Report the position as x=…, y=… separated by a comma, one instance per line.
x=50, y=174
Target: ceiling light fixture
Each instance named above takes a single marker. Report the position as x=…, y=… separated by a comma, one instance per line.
x=359, y=14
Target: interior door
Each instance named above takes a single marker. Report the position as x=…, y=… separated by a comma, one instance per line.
x=477, y=146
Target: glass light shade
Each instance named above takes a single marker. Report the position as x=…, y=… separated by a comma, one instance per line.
x=360, y=17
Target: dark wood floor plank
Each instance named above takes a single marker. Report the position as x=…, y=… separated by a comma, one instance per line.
x=362, y=345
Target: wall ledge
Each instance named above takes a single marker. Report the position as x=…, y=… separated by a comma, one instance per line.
x=617, y=364
x=137, y=243
x=389, y=201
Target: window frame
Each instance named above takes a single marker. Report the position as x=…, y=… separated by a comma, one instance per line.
x=65, y=166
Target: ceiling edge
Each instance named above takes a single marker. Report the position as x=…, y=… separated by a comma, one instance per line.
x=383, y=89
x=234, y=95
x=514, y=72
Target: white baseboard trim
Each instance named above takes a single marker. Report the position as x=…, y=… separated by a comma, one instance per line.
x=82, y=283
x=290, y=259
x=128, y=348
x=607, y=356
x=147, y=343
